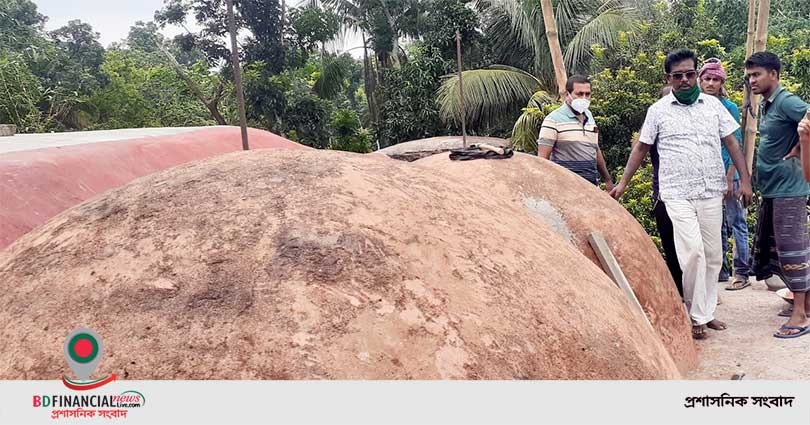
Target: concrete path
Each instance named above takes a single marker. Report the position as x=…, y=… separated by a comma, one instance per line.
x=24, y=142
x=748, y=345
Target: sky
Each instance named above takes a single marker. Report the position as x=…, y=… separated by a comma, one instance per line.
x=113, y=18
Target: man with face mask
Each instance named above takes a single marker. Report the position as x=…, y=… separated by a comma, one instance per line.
x=688, y=128
x=569, y=135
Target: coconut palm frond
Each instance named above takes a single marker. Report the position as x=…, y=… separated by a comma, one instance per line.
x=490, y=94
x=330, y=82
x=603, y=29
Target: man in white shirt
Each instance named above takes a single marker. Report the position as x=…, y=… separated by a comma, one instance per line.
x=689, y=127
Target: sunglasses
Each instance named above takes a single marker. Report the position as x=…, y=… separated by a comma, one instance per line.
x=690, y=75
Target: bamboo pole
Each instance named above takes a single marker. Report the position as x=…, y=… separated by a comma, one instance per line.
x=237, y=76
x=461, y=92
x=749, y=116
x=752, y=27
x=758, y=14
x=762, y=25
x=554, y=45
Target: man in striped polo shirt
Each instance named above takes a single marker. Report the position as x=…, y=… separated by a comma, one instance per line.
x=569, y=135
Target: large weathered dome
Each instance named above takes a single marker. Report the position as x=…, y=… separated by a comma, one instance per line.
x=576, y=208
x=304, y=264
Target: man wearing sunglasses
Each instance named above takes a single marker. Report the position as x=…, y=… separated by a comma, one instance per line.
x=689, y=128
x=712, y=77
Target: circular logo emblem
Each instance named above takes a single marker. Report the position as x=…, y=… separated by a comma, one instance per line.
x=83, y=348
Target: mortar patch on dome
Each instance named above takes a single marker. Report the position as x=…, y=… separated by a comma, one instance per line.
x=550, y=214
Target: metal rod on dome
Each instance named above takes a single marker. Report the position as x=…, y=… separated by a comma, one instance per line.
x=237, y=75
x=461, y=92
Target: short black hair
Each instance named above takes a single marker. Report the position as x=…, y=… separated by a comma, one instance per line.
x=575, y=79
x=677, y=56
x=766, y=60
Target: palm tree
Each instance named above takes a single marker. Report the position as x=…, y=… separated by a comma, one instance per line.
x=497, y=92
x=353, y=15
x=362, y=16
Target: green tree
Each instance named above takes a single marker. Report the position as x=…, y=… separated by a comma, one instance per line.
x=77, y=67
x=408, y=110
x=313, y=27
x=23, y=100
x=349, y=135
x=307, y=120
x=143, y=90
x=262, y=18
x=22, y=28
x=519, y=29
x=731, y=20
x=444, y=18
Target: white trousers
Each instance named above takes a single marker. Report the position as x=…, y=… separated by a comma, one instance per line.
x=696, y=225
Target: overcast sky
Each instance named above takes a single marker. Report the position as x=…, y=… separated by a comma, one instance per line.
x=113, y=18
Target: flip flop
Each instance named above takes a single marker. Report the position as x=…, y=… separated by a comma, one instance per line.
x=785, y=313
x=802, y=330
x=701, y=335
x=738, y=284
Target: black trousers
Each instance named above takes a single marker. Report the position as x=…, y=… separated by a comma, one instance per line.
x=664, y=225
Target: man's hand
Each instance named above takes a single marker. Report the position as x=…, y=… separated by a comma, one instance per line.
x=732, y=170
x=745, y=193
x=609, y=186
x=804, y=131
x=804, y=143
x=794, y=153
x=618, y=191
x=729, y=189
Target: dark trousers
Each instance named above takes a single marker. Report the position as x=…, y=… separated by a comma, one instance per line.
x=664, y=225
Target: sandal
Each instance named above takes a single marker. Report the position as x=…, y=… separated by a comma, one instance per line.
x=802, y=330
x=699, y=332
x=738, y=284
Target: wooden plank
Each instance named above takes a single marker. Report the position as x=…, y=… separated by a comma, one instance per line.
x=614, y=271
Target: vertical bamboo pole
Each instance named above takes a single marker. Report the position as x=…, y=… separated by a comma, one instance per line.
x=762, y=25
x=461, y=91
x=237, y=76
x=554, y=45
x=756, y=39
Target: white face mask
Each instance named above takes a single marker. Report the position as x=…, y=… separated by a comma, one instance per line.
x=580, y=105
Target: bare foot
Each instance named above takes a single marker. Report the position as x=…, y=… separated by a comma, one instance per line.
x=699, y=331
x=716, y=325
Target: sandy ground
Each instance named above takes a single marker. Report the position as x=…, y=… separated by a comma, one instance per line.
x=748, y=345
